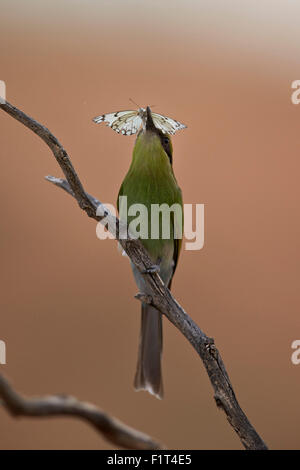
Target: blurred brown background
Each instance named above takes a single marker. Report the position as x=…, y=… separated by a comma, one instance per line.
x=68, y=315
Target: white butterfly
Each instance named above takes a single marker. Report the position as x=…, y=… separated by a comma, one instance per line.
x=129, y=122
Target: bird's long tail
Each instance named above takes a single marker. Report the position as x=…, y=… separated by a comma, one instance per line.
x=148, y=373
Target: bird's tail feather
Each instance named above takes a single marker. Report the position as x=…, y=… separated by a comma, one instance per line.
x=148, y=373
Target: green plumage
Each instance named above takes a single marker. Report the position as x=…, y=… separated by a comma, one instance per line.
x=150, y=180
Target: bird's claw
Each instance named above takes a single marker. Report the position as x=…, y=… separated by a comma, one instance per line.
x=153, y=269
x=145, y=298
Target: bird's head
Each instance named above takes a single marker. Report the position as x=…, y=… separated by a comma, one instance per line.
x=151, y=136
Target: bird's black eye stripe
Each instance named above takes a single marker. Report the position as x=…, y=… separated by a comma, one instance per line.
x=166, y=146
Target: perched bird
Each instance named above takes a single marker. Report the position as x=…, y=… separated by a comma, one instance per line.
x=150, y=180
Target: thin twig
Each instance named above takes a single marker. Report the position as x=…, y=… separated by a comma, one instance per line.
x=112, y=429
x=159, y=295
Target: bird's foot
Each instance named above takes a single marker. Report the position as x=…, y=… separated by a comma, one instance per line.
x=147, y=299
x=155, y=268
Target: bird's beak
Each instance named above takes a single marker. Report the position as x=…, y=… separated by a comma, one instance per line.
x=149, y=121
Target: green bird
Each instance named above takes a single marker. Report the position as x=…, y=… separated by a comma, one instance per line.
x=150, y=180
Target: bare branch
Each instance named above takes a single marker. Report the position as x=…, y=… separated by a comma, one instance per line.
x=63, y=184
x=160, y=295
x=112, y=429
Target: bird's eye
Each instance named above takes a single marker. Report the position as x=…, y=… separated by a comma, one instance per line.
x=166, y=141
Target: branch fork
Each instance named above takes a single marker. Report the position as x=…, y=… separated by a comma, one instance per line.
x=161, y=297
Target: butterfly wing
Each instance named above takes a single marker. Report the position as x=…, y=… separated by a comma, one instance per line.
x=124, y=122
x=129, y=122
x=167, y=125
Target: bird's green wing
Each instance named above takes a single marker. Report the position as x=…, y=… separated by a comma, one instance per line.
x=177, y=241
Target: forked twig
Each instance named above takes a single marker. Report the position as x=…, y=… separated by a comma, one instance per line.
x=159, y=295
